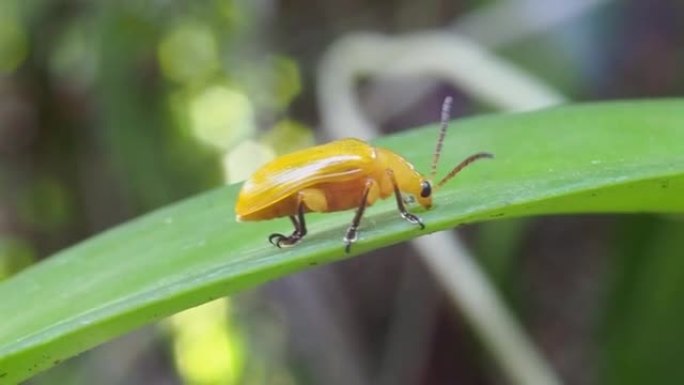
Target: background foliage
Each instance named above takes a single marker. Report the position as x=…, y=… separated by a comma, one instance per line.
x=109, y=110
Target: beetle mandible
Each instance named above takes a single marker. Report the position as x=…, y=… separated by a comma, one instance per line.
x=340, y=175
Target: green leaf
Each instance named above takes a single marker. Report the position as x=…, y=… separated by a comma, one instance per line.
x=611, y=157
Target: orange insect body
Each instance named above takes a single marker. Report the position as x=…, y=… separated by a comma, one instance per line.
x=328, y=178
x=339, y=175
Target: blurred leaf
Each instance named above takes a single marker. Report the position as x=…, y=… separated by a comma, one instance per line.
x=46, y=204
x=15, y=254
x=498, y=243
x=13, y=40
x=155, y=161
x=612, y=157
x=643, y=339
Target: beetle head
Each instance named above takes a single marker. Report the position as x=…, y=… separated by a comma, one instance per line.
x=424, y=198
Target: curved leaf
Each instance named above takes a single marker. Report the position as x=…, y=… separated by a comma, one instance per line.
x=610, y=157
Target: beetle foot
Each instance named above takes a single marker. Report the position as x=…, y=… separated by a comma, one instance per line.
x=347, y=244
x=276, y=238
x=350, y=237
x=413, y=219
x=280, y=240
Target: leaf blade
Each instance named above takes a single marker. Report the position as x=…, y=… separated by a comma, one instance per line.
x=607, y=157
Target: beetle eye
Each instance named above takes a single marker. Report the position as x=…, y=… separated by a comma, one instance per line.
x=425, y=189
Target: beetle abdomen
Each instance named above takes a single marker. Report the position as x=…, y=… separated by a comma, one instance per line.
x=275, y=184
x=338, y=196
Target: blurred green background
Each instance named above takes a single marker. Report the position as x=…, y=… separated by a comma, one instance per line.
x=111, y=109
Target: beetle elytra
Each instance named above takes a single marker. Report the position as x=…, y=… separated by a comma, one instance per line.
x=336, y=176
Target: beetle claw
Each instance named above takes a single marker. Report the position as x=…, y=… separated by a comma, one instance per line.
x=347, y=244
x=280, y=240
x=414, y=219
x=275, y=239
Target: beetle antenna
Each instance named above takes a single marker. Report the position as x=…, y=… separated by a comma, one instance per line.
x=444, y=123
x=462, y=165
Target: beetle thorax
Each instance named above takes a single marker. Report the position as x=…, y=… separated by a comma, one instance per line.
x=408, y=179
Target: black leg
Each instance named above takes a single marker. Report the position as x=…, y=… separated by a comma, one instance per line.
x=400, y=203
x=352, y=232
x=299, y=232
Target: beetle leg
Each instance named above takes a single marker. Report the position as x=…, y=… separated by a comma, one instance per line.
x=352, y=231
x=299, y=232
x=400, y=203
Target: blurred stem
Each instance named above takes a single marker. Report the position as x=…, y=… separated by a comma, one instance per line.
x=407, y=349
x=445, y=56
x=470, y=290
x=506, y=22
x=497, y=245
x=475, y=71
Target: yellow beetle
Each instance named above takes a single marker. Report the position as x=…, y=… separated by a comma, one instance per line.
x=336, y=176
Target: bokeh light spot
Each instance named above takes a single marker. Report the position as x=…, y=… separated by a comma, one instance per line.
x=289, y=83
x=208, y=350
x=221, y=116
x=240, y=163
x=74, y=55
x=288, y=135
x=189, y=53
